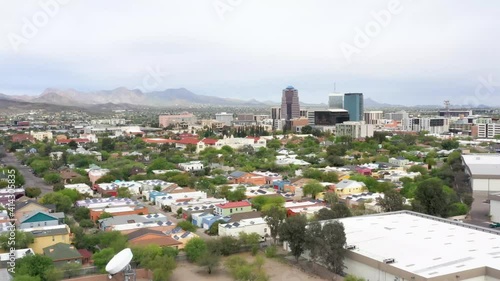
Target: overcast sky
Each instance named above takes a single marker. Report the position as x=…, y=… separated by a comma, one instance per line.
x=428, y=51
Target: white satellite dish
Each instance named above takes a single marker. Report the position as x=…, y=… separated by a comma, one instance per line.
x=120, y=261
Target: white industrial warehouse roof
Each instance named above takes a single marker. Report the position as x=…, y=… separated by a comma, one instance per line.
x=423, y=245
x=482, y=164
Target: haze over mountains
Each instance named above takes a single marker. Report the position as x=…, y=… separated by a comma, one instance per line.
x=168, y=98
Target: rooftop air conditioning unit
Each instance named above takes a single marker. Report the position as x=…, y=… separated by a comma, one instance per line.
x=388, y=261
x=350, y=247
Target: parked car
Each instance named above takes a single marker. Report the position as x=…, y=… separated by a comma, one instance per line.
x=495, y=224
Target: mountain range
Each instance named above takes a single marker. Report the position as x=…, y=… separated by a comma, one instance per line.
x=166, y=98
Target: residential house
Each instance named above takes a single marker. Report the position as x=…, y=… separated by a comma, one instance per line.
x=40, y=218
x=254, y=225
x=5, y=258
x=368, y=199
x=181, y=236
x=399, y=161
x=86, y=256
x=184, y=195
x=197, y=218
x=196, y=203
x=114, y=222
x=22, y=138
x=365, y=171
x=82, y=188
x=349, y=187
x=135, y=188
x=40, y=136
x=230, y=208
x=98, y=203
x=145, y=236
x=26, y=207
x=119, y=211
x=68, y=175
x=309, y=212
x=238, y=177
x=270, y=177
x=62, y=254
x=191, y=166
x=48, y=236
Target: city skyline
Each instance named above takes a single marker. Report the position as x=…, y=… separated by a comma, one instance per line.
x=231, y=55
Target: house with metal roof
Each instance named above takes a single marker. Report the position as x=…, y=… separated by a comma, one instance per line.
x=40, y=218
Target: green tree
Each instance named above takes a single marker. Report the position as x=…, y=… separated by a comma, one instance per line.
x=274, y=217
x=195, y=248
x=52, y=178
x=33, y=192
x=35, y=266
x=392, y=201
x=187, y=226
x=418, y=169
x=307, y=129
x=340, y=210
x=73, y=145
x=214, y=228
x=102, y=257
x=86, y=223
x=325, y=214
x=450, y=144
x=22, y=240
x=81, y=213
x=313, y=188
x=334, y=239
x=40, y=166
x=293, y=231
x=73, y=194
x=105, y=215
x=431, y=196
x=124, y=192
x=63, y=203
x=273, y=144
x=112, y=239
x=210, y=259
x=108, y=144
x=314, y=240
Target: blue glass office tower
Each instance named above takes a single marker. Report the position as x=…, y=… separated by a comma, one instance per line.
x=353, y=103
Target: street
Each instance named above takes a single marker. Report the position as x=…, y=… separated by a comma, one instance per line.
x=480, y=210
x=30, y=179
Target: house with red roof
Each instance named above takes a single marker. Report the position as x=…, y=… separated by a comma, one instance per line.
x=22, y=137
x=230, y=208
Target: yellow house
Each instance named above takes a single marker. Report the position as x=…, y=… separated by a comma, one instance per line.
x=350, y=187
x=49, y=236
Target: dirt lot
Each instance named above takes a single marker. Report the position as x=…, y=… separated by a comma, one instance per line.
x=276, y=270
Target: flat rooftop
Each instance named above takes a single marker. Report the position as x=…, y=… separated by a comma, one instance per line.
x=483, y=164
x=423, y=245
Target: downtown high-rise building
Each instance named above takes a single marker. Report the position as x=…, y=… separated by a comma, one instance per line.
x=352, y=102
x=336, y=101
x=290, y=107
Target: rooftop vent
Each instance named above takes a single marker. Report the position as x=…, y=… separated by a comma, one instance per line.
x=389, y=261
x=350, y=247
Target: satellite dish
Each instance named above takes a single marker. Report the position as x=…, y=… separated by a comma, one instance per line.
x=120, y=261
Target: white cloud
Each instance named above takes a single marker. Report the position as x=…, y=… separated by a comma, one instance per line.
x=259, y=47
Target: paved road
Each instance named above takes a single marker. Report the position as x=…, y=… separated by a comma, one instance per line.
x=30, y=179
x=480, y=210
